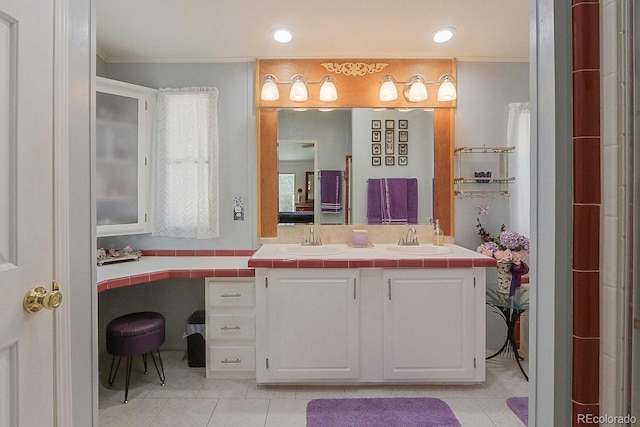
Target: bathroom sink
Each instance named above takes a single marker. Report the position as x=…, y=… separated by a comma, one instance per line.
x=427, y=249
x=314, y=250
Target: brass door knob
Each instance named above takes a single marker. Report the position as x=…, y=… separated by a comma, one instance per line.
x=38, y=297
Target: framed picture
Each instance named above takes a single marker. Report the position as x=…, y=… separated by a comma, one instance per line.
x=376, y=124
x=403, y=136
x=376, y=148
x=389, y=124
x=376, y=135
x=389, y=143
x=403, y=160
x=403, y=124
x=403, y=149
x=389, y=160
x=376, y=161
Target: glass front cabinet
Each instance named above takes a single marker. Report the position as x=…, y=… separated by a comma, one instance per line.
x=123, y=141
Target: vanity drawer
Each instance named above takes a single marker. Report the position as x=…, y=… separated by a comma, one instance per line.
x=231, y=294
x=232, y=358
x=232, y=326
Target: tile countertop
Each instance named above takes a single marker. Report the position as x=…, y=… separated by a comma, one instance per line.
x=378, y=256
x=151, y=268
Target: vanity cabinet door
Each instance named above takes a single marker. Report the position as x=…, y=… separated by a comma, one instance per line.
x=312, y=318
x=429, y=324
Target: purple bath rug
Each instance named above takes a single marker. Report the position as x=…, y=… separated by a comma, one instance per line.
x=520, y=407
x=380, y=412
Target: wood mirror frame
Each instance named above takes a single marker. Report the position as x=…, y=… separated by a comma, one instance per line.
x=357, y=82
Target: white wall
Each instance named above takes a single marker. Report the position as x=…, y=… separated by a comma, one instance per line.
x=485, y=91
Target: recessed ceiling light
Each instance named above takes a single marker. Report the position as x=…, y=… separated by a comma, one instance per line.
x=443, y=35
x=282, y=35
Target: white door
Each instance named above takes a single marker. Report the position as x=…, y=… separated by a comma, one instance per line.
x=26, y=211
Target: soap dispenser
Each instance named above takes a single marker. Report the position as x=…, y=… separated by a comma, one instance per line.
x=438, y=235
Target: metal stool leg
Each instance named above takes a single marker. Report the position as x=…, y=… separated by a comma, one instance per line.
x=161, y=376
x=112, y=373
x=144, y=360
x=128, y=380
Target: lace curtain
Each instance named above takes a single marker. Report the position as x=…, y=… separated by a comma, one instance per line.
x=518, y=135
x=186, y=163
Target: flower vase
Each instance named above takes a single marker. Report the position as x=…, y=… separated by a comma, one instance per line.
x=504, y=277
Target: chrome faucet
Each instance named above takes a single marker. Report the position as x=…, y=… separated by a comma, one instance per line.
x=311, y=240
x=410, y=239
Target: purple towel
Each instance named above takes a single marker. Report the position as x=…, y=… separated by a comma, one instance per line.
x=392, y=201
x=331, y=191
x=374, y=204
x=412, y=200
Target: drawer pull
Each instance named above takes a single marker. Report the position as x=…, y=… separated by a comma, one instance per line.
x=230, y=295
x=230, y=328
x=231, y=361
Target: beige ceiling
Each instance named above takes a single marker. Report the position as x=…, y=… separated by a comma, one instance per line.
x=233, y=30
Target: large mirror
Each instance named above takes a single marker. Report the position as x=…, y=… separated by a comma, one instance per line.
x=381, y=144
x=358, y=83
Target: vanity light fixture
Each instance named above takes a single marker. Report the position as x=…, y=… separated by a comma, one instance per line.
x=270, y=90
x=388, y=90
x=415, y=90
x=298, y=91
x=328, y=91
x=447, y=91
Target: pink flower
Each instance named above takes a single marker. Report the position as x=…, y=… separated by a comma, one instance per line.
x=487, y=252
x=519, y=256
x=504, y=256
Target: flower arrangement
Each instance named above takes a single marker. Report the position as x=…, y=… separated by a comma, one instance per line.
x=507, y=246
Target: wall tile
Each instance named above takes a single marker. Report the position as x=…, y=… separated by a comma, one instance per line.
x=609, y=39
x=609, y=328
x=580, y=412
x=586, y=237
x=586, y=170
x=586, y=304
x=586, y=41
x=586, y=370
x=610, y=182
x=610, y=258
x=586, y=103
x=608, y=389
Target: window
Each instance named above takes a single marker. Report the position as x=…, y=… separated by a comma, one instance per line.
x=287, y=192
x=186, y=163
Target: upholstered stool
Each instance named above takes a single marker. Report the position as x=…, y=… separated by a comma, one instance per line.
x=131, y=335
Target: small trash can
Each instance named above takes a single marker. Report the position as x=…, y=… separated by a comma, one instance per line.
x=195, y=334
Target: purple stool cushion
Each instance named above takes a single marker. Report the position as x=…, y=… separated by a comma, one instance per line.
x=135, y=333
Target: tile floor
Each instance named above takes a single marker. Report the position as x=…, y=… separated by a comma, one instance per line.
x=190, y=400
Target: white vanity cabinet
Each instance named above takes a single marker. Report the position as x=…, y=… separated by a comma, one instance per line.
x=230, y=326
x=308, y=324
x=429, y=324
x=370, y=325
